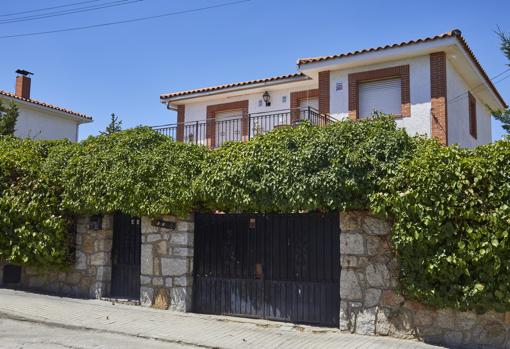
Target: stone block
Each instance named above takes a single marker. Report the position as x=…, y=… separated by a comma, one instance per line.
x=446, y=319
x=157, y=267
x=180, y=299
x=73, y=278
x=372, y=297
x=88, y=244
x=345, y=320
x=161, y=299
x=36, y=281
x=158, y=281
x=147, y=262
x=153, y=237
x=466, y=320
x=182, y=281
x=169, y=282
x=184, y=226
x=147, y=227
x=375, y=245
x=391, y=299
x=382, y=324
x=145, y=280
x=146, y=296
x=185, y=239
x=182, y=251
x=375, y=226
x=377, y=275
x=174, y=266
x=348, y=261
x=350, y=288
x=365, y=321
x=100, y=258
x=162, y=248
x=81, y=261
x=350, y=221
x=352, y=244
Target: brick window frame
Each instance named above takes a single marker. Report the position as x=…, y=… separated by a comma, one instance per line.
x=212, y=110
x=296, y=98
x=473, y=129
x=355, y=79
x=180, y=123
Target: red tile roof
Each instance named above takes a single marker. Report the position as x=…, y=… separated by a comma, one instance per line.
x=46, y=105
x=221, y=87
x=455, y=33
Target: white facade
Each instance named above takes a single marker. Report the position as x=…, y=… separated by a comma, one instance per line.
x=458, y=113
x=463, y=75
x=40, y=122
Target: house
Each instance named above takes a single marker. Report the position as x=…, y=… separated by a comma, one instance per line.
x=435, y=86
x=40, y=120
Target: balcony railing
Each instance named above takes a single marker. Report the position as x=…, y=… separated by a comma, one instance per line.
x=215, y=132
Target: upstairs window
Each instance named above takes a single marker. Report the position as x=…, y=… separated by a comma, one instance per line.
x=382, y=95
x=472, y=115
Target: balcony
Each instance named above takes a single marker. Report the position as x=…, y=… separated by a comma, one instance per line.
x=214, y=133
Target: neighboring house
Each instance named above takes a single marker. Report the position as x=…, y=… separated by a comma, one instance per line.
x=435, y=86
x=41, y=120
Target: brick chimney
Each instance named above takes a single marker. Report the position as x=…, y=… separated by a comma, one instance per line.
x=23, y=82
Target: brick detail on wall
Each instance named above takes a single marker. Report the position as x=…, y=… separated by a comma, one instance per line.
x=439, y=108
x=295, y=100
x=212, y=110
x=401, y=71
x=180, y=122
x=324, y=88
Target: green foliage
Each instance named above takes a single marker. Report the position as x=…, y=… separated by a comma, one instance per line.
x=8, y=117
x=503, y=116
x=32, y=231
x=304, y=168
x=138, y=172
x=452, y=212
x=115, y=125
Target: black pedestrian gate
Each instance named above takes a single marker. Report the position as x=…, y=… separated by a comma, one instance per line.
x=126, y=259
x=277, y=267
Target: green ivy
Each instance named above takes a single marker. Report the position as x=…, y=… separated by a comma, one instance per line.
x=452, y=218
x=304, y=168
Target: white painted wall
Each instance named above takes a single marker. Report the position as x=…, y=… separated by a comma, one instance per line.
x=458, y=113
x=196, y=111
x=419, y=75
x=40, y=124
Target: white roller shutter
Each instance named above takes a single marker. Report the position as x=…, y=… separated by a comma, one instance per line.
x=309, y=102
x=382, y=95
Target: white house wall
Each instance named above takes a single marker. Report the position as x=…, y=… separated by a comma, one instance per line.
x=419, y=75
x=197, y=111
x=458, y=113
x=38, y=124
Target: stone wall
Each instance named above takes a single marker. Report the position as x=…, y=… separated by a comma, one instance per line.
x=90, y=275
x=370, y=305
x=167, y=264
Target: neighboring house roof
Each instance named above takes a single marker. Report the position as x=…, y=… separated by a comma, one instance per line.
x=296, y=76
x=84, y=117
x=455, y=33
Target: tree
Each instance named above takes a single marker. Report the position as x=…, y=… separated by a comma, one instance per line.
x=8, y=117
x=115, y=125
x=503, y=116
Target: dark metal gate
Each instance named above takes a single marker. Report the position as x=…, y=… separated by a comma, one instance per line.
x=126, y=259
x=278, y=267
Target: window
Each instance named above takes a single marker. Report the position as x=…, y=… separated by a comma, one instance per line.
x=472, y=115
x=381, y=95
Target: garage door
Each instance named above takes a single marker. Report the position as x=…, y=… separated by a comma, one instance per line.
x=278, y=267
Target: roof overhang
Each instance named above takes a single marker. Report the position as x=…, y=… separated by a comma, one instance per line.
x=49, y=110
x=235, y=89
x=457, y=50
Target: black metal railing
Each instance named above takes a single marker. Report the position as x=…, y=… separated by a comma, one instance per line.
x=214, y=133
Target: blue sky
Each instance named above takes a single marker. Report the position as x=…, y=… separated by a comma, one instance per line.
x=124, y=68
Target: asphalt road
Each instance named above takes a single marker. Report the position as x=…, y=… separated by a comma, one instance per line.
x=16, y=334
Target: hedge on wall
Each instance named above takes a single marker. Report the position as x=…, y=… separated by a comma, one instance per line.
x=32, y=229
x=305, y=168
x=137, y=172
x=452, y=216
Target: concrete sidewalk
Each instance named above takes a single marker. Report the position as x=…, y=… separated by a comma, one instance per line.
x=190, y=329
